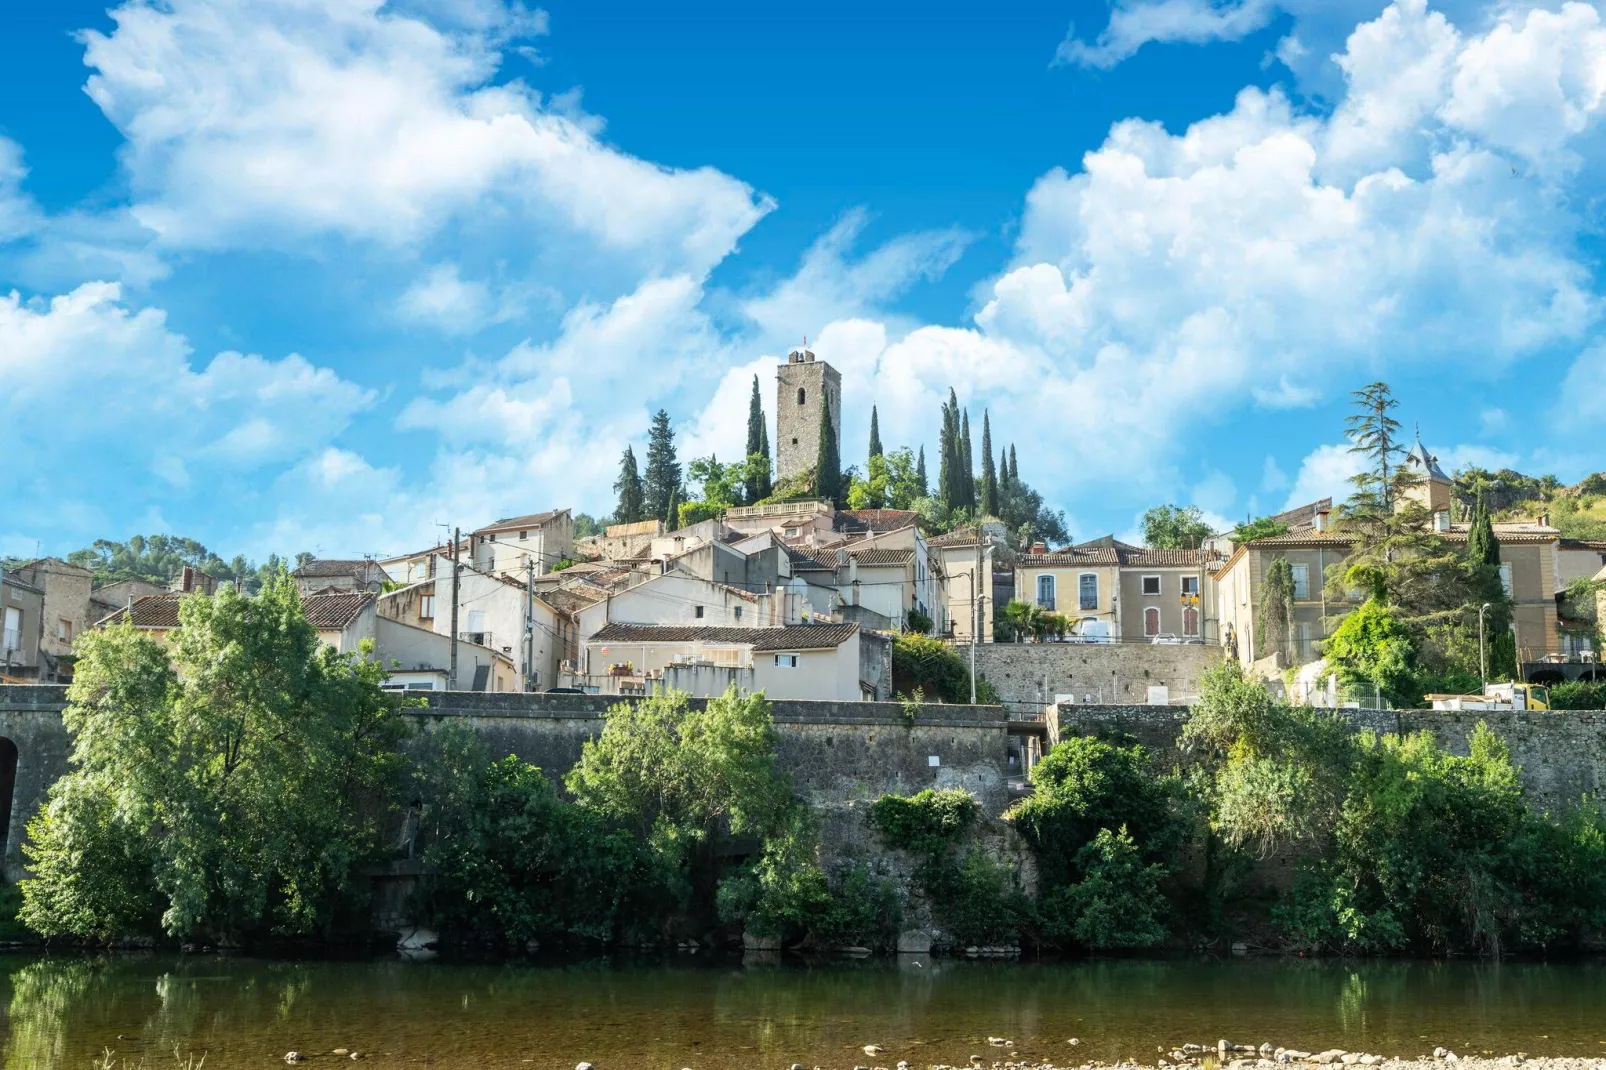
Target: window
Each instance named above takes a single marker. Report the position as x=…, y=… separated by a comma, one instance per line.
x=786, y=661
x=801, y=396
x=1151, y=585
x=426, y=607
x=1190, y=586
x=523, y=535
x=1088, y=590
x=1243, y=587
x=1301, y=582
x=1505, y=579
x=794, y=441
x=64, y=629
x=1151, y=620
x=697, y=611
x=13, y=629
x=1045, y=591
x=492, y=536
x=1190, y=621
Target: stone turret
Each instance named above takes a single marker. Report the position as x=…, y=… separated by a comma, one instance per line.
x=1433, y=490
x=802, y=385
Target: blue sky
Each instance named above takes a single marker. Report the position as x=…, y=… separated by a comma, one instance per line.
x=323, y=274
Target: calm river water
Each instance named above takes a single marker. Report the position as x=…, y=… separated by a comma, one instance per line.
x=239, y=1012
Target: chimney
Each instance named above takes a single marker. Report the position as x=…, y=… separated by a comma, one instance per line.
x=1321, y=519
x=1441, y=520
x=1038, y=548
x=1544, y=520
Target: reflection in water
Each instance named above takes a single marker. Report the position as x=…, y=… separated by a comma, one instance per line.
x=63, y=1012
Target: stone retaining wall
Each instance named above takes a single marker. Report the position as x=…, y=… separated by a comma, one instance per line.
x=1029, y=675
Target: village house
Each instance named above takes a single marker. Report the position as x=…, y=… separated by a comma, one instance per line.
x=22, y=615
x=1110, y=589
x=66, y=612
x=538, y=541
x=416, y=658
x=352, y=574
x=840, y=662
x=1534, y=564
x=960, y=557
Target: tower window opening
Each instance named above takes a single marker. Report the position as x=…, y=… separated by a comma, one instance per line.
x=801, y=395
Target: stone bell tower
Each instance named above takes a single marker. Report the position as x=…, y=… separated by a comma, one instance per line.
x=802, y=386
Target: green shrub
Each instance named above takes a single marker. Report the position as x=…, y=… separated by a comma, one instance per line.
x=1579, y=695
x=1084, y=786
x=11, y=928
x=1116, y=903
x=922, y=662
x=977, y=899
x=928, y=823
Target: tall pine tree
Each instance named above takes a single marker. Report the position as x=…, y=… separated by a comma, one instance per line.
x=989, y=475
x=758, y=446
x=875, y=433
x=662, y=478
x=828, y=460
x=920, y=473
x=628, y=487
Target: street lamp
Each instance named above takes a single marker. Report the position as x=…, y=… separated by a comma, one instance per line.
x=1483, y=661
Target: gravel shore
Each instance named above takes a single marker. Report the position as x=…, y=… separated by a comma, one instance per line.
x=1276, y=1059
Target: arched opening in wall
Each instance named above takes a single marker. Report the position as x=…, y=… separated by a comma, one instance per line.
x=8, y=784
x=801, y=395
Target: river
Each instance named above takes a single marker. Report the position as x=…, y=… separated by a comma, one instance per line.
x=62, y=1012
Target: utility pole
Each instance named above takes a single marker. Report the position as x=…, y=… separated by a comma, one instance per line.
x=1483, y=663
x=451, y=679
x=529, y=624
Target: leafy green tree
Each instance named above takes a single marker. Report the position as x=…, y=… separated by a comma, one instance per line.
x=1028, y=518
x=229, y=794
x=828, y=459
x=989, y=475
x=1117, y=903
x=758, y=485
x=683, y=781
x=1261, y=528
x=586, y=525
x=1370, y=646
x=661, y=481
x=1087, y=785
x=632, y=503
x=506, y=857
x=1172, y=527
x=891, y=482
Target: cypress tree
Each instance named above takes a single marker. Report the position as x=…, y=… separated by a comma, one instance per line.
x=989, y=475
x=1014, y=465
x=1003, y=467
x=946, y=483
x=828, y=460
x=662, y=478
x=920, y=471
x=1482, y=549
x=967, y=462
x=875, y=433
x=628, y=486
x=672, y=512
x=758, y=445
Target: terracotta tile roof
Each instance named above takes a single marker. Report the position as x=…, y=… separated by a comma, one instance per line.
x=1303, y=517
x=319, y=568
x=1581, y=544
x=331, y=610
x=792, y=637
x=1102, y=558
x=530, y=520
x=1107, y=542
x=571, y=600
x=953, y=538
x=882, y=557
x=875, y=519
x=1146, y=558
x=149, y=611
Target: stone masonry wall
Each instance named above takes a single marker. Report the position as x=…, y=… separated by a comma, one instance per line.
x=1029, y=675
x=30, y=717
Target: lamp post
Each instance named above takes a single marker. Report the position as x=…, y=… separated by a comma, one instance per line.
x=1483, y=661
